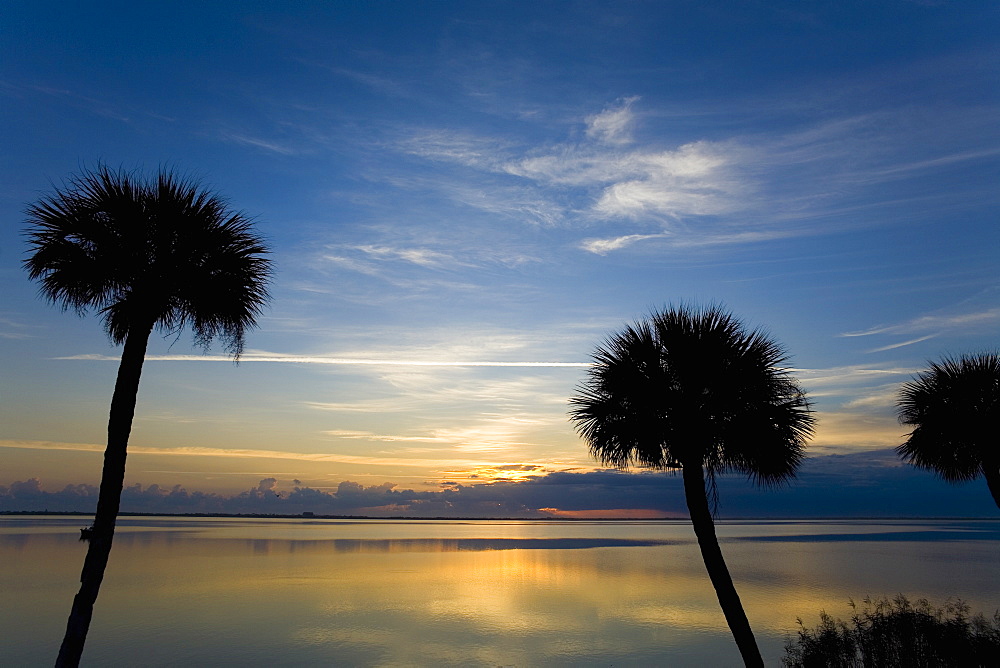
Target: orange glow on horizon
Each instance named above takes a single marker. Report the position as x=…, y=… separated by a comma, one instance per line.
x=614, y=514
x=491, y=473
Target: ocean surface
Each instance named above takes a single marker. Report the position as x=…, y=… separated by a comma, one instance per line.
x=315, y=592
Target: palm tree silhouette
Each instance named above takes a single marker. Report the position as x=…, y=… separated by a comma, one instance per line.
x=160, y=253
x=954, y=408
x=695, y=390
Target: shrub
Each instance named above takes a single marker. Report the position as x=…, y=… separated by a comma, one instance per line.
x=886, y=634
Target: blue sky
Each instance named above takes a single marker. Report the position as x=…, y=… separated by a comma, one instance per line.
x=463, y=199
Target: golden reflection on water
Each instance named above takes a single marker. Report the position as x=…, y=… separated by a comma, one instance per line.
x=227, y=592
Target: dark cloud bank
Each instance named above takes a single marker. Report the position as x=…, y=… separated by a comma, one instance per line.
x=871, y=484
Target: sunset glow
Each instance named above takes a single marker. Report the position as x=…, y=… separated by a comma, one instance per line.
x=463, y=200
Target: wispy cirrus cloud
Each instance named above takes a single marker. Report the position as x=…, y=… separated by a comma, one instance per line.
x=847, y=431
x=507, y=415
x=424, y=257
x=421, y=264
x=854, y=406
x=834, y=380
x=485, y=433
x=380, y=84
x=943, y=322
x=486, y=153
x=879, y=399
x=852, y=399
x=902, y=344
x=257, y=142
x=905, y=169
x=710, y=192
x=614, y=124
x=246, y=453
x=13, y=329
x=931, y=326
x=352, y=434
x=695, y=179
x=516, y=202
x=605, y=246
x=82, y=101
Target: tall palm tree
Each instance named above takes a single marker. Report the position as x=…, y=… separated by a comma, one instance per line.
x=159, y=253
x=693, y=389
x=954, y=409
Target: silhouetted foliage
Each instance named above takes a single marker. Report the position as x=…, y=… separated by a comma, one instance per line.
x=954, y=408
x=160, y=253
x=898, y=634
x=696, y=390
x=163, y=251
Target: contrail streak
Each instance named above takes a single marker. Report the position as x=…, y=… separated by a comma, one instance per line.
x=296, y=359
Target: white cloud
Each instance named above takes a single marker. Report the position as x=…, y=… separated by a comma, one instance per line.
x=365, y=258
x=781, y=185
x=575, y=166
x=605, y=246
x=719, y=237
x=613, y=125
x=697, y=179
x=423, y=257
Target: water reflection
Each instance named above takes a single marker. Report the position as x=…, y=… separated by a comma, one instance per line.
x=377, y=545
x=228, y=592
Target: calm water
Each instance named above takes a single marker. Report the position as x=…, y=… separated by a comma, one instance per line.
x=463, y=593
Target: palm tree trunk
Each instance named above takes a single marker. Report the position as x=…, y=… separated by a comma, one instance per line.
x=729, y=600
x=109, y=499
x=992, y=474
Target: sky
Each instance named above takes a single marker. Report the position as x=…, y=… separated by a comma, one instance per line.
x=464, y=199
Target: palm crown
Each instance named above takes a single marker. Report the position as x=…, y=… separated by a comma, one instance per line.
x=954, y=408
x=694, y=388
x=161, y=253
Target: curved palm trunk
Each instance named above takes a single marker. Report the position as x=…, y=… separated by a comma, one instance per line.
x=109, y=499
x=992, y=474
x=729, y=600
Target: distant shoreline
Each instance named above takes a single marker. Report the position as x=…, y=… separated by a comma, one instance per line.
x=486, y=519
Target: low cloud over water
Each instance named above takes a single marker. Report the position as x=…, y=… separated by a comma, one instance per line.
x=871, y=484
